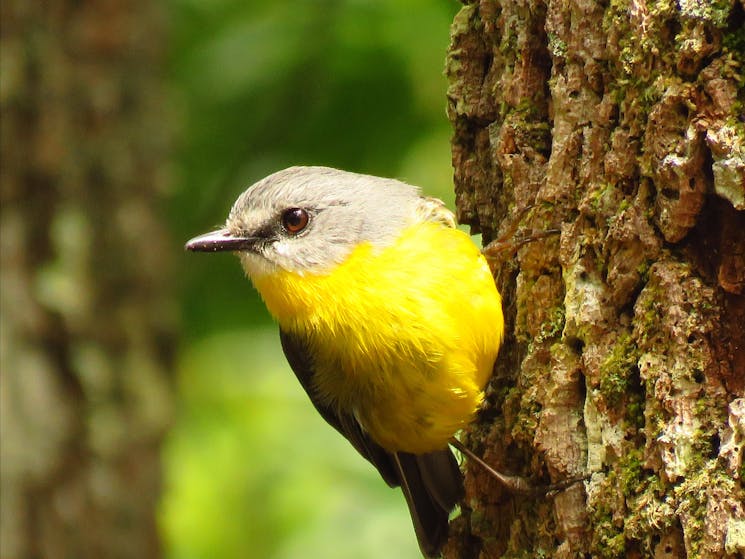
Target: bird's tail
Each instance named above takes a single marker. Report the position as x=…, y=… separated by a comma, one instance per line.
x=432, y=484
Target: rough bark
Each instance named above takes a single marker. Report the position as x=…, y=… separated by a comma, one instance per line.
x=621, y=125
x=85, y=327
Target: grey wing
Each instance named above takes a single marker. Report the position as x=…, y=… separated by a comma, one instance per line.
x=432, y=483
x=297, y=356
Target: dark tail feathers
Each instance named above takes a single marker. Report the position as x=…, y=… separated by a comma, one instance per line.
x=432, y=484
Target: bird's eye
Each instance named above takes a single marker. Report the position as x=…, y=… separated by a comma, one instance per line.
x=294, y=220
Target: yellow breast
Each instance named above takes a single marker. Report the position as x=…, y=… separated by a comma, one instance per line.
x=404, y=337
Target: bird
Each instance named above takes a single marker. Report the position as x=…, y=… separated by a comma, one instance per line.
x=388, y=315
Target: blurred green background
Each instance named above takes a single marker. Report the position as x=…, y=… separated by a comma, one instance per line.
x=250, y=469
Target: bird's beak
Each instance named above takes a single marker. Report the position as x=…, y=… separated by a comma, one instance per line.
x=220, y=240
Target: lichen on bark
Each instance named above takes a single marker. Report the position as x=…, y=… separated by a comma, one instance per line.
x=621, y=125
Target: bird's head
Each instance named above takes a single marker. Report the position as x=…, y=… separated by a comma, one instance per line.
x=307, y=220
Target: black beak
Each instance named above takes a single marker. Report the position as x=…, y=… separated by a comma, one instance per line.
x=220, y=240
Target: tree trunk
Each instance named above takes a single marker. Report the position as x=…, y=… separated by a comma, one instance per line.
x=85, y=322
x=620, y=125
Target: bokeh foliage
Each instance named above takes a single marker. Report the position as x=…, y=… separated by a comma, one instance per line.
x=251, y=471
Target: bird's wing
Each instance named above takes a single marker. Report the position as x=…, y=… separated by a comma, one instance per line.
x=432, y=483
x=434, y=209
x=301, y=364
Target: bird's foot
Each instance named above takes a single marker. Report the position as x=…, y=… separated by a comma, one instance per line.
x=517, y=484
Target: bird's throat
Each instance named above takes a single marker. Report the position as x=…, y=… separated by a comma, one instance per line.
x=300, y=302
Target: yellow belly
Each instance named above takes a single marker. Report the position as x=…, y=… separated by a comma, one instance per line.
x=405, y=337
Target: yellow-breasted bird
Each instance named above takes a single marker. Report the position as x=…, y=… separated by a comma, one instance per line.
x=388, y=315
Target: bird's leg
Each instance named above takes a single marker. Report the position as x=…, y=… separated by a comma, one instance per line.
x=500, y=245
x=516, y=484
x=510, y=241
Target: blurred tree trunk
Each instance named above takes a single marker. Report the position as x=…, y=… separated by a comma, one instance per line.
x=621, y=124
x=85, y=322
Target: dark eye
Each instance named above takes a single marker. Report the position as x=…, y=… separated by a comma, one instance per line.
x=294, y=220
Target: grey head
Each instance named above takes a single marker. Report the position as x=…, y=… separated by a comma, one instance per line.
x=309, y=219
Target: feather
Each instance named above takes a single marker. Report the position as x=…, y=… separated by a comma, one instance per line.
x=432, y=482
